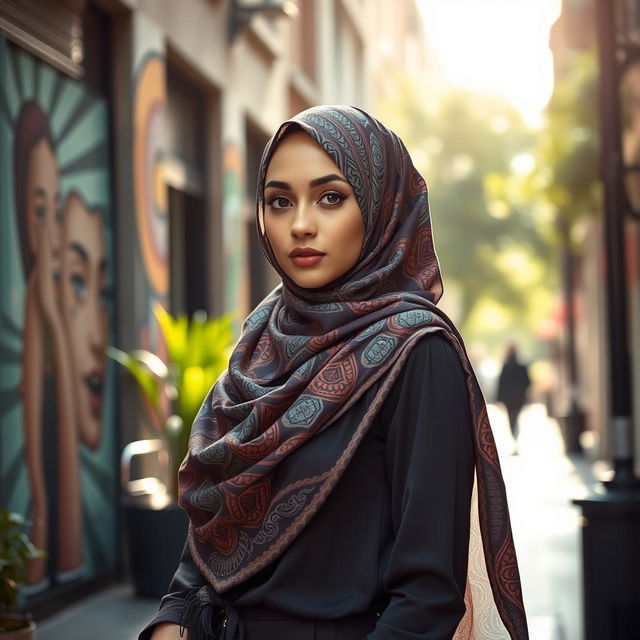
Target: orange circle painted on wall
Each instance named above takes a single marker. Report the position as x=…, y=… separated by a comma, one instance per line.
x=150, y=189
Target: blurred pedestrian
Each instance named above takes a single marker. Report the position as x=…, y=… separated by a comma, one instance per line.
x=513, y=385
x=331, y=470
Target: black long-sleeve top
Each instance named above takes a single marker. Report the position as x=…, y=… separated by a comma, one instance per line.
x=394, y=532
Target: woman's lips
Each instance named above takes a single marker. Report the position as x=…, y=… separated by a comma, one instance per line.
x=305, y=256
x=308, y=260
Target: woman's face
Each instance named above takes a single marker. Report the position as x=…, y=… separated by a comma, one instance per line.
x=43, y=198
x=84, y=282
x=311, y=218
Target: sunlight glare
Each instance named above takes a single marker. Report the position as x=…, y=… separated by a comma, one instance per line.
x=495, y=46
x=523, y=163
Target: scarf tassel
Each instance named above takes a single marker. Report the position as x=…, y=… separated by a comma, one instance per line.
x=200, y=616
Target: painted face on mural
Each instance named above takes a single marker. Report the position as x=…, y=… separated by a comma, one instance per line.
x=312, y=220
x=43, y=201
x=84, y=307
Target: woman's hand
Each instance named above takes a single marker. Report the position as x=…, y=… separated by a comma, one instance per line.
x=169, y=631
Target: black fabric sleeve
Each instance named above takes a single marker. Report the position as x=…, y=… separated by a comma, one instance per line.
x=186, y=577
x=430, y=463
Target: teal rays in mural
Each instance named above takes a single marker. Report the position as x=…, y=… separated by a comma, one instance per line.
x=92, y=159
x=5, y=113
x=77, y=128
x=75, y=115
x=17, y=75
x=55, y=95
x=10, y=339
x=13, y=471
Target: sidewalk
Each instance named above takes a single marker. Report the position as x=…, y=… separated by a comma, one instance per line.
x=114, y=614
x=540, y=483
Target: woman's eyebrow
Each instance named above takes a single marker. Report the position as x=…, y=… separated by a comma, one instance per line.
x=277, y=184
x=314, y=183
x=330, y=178
x=80, y=251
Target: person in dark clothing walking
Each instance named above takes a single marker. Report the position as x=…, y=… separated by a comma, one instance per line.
x=513, y=384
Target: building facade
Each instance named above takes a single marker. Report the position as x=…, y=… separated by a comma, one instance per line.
x=575, y=31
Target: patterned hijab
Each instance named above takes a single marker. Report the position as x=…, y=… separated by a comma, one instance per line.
x=306, y=356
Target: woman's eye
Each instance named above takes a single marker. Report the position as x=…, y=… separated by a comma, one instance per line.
x=331, y=198
x=79, y=286
x=279, y=202
x=41, y=212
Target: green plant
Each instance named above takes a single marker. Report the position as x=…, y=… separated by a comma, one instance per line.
x=15, y=552
x=198, y=353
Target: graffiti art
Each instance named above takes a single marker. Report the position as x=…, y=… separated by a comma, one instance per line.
x=56, y=453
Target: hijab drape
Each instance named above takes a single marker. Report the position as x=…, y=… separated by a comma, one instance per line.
x=306, y=355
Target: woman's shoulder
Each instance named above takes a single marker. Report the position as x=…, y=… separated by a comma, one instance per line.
x=430, y=362
x=431, y=382
x=434, y=349
x=432, y=365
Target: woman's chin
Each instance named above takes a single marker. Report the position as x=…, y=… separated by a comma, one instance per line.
x=311, y=280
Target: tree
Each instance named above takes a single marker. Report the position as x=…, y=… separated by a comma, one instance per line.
x=566, y=172
x=469, y=147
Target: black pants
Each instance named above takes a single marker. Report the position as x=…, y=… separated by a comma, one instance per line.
x=513, y=411
x=259, y=625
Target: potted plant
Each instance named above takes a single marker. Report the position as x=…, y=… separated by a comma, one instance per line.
x=15, y=552
x=198, y=350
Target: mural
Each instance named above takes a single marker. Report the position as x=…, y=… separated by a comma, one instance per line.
x=56, y=407
x=237, y=290
x=150, y=188
x=151, y=196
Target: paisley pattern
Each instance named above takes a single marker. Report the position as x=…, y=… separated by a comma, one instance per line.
x=306, y=355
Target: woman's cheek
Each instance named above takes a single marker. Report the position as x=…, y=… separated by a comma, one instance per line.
x=103, y=329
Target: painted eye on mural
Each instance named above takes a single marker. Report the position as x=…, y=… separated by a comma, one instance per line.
x=105, y=296
x=79, y=285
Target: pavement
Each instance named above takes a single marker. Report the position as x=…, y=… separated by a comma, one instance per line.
x=541, y=482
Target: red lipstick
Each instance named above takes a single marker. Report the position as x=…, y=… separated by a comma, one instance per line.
x=306, y=256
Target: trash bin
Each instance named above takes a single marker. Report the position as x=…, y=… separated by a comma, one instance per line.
x=155, y=527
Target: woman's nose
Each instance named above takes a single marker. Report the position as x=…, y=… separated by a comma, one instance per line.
x=303, y=224
x=96, y=331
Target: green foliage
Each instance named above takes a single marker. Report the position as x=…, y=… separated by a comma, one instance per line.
x=468, y=146
x=15, y=552
x=198, y=353
x=566, y=175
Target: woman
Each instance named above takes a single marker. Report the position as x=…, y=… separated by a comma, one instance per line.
x=330, y=474
x=84, y=298
x=65, y=333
